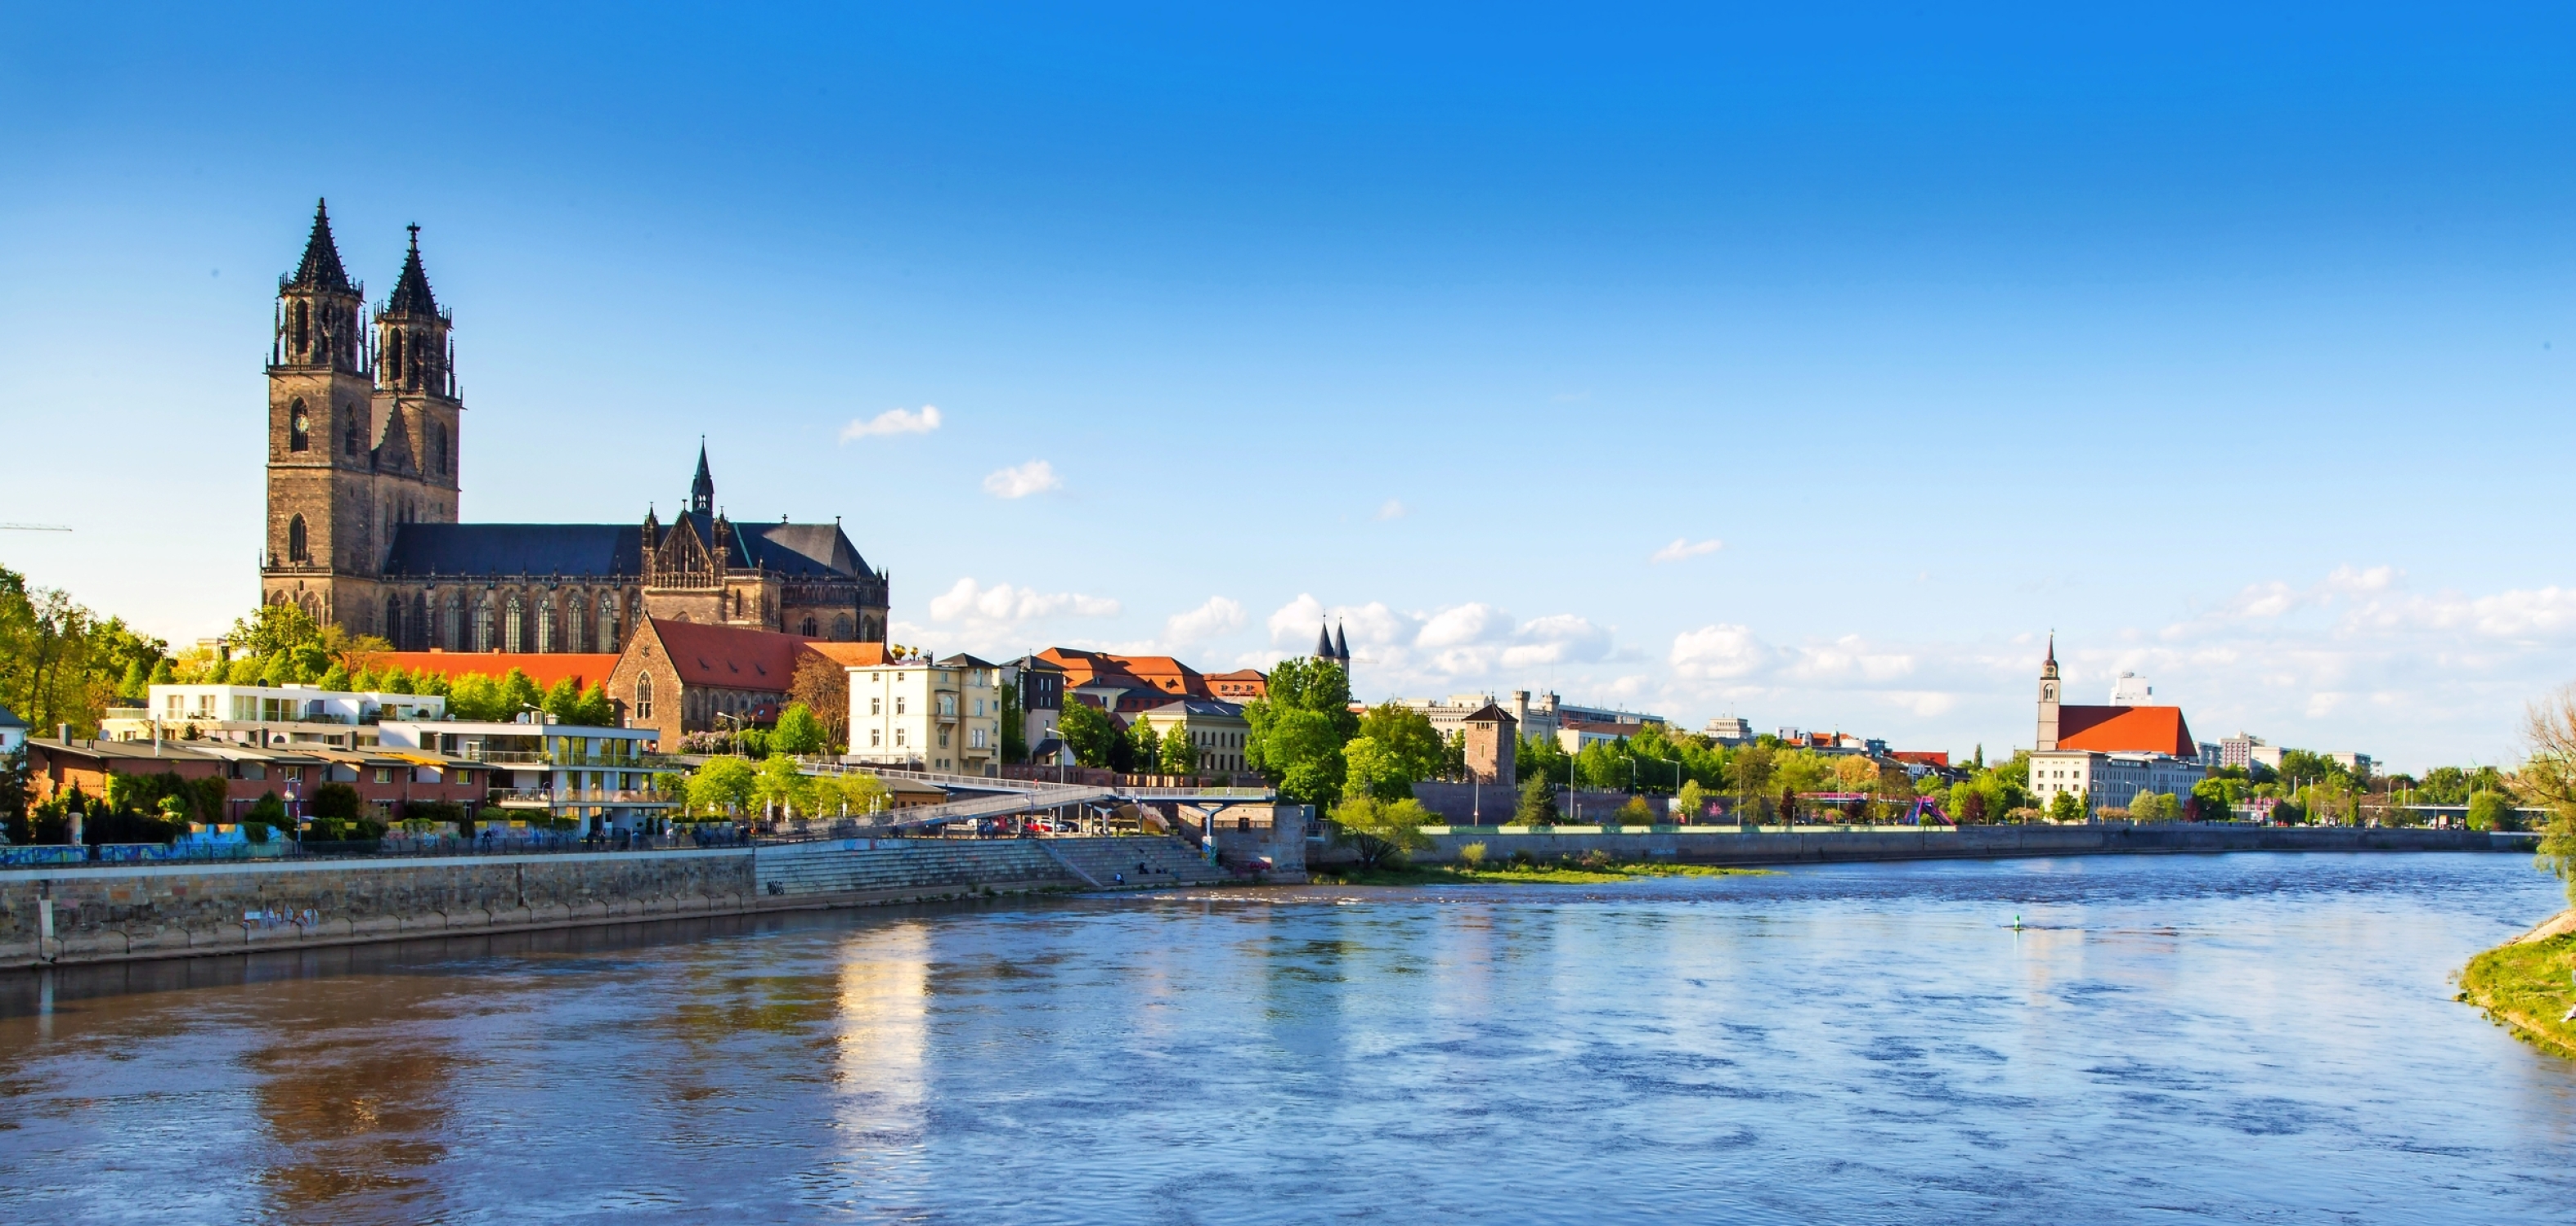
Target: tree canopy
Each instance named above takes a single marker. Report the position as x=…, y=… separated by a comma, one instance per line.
x=1298, y=731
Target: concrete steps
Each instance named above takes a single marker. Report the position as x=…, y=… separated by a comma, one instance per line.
x=1146, y=862
x=927, y=865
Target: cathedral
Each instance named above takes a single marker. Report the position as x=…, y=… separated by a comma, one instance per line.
x=366, y=450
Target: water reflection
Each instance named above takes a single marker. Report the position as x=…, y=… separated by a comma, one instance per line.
x=2241, y=1038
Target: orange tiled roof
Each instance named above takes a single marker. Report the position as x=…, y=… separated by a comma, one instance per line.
x=853, y=655
x=544, y=668
x=2126, y=730
x=1160, y=673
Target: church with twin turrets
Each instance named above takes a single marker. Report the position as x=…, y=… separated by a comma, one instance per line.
x=365, y=463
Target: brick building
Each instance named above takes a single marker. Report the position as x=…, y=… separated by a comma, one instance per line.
x=680, y=677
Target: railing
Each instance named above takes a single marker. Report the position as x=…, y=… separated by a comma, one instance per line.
x=549, y=758
x=578, y=796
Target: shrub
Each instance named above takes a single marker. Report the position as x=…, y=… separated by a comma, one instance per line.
x=334, y=800
x=1472, y=855
x=1636, y=812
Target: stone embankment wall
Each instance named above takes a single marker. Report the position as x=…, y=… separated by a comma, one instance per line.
x=1775, y=845
x=108, y=913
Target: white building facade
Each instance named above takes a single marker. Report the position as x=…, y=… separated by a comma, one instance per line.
x=2110, y=780
x=919, y=715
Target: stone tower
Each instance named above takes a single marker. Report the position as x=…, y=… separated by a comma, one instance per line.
x=363, y=437
x=2048, y=699
x=321, y=476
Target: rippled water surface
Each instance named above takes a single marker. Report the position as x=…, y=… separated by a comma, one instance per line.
x=2245, y=1038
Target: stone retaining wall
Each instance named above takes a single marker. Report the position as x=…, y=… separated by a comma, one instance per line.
x=172, y=910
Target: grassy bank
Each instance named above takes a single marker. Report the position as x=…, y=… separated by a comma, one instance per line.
x=2527, y=988
x=1597, y=873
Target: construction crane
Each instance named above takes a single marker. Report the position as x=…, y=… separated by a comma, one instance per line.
x=33, y=528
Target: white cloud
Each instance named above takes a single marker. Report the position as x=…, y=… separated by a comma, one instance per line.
x=1002, y=603
x=1218, y=616
x=1393, y=508
x=892, y=421
x=1684, y=547
x=1719, y=652
x=1034, y=477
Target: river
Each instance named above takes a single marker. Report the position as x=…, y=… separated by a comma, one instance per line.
x=2239, y=1038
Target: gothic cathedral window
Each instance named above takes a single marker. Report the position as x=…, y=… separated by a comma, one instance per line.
x=644, y=697
x=394, y=622
x=810, y=628
x=438, y=446
x=513, y=626
x=299, y=426
x=349, y=437
x=297, y=549
x=546, y=623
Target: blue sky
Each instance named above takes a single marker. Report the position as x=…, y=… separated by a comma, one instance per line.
x=2232, y=346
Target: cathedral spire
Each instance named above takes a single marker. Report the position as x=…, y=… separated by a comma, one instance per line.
x=321, y=268
x=2048, y=670
x=411, y=291
x=702, y=488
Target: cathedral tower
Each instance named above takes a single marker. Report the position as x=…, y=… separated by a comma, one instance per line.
x=321, y=472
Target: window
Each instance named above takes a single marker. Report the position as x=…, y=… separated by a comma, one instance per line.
x=438, y=447
x=876, y=736
x=976, y=738
x=898, y=705
x=810, y=629
x=574, y=608
x=643, y=698
x=299, y=426
x=512, y=632
x=384, y=774
x=607, y=623
x=873, y=704
x=898, y=736
x=546, y=623
x=349, y=437
x=298, y=549
x=943, y=738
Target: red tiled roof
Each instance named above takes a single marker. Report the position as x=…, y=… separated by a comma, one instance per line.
x=730, y=656
x=2126, y=730
x=1926, y=757
x=1162, y=674
x=544, y=668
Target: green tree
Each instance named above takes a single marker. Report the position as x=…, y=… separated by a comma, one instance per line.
x=2491, y=811
x=1371, y=769
x=1691, y=803
x=798, y=731
x=335, y=800
x=778, y=782
x=1015, y=731
x=1752, y=771
x=2066, y=807
x=1089, y=732
x=723, y=785
x=1299, y=729
x=335, y=679
x=1537, y=805
x=2149, y=806
x=1383, y=832
x=1180, y=754
x=1408, y=739
x=1539, y=757
x=853, y=793
x=1144, y=745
